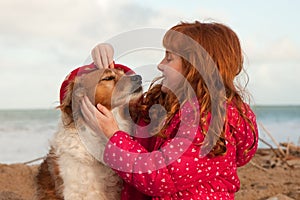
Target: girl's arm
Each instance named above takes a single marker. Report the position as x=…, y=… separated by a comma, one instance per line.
x=245, y=135
x=175, y=167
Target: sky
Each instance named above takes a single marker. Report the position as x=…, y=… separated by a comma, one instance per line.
x=42, y=41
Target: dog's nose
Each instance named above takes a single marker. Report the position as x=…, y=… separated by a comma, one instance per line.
x=135, y=78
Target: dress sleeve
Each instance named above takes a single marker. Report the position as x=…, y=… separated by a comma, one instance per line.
x=243, y=134
x=136, y=165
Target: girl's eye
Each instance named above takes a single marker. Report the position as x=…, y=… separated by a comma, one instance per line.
x=109, y=78
x=168, y=58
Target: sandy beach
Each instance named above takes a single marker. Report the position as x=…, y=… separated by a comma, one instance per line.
x=267, y=176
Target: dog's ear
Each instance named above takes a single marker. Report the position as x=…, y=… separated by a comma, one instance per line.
x=66, y=105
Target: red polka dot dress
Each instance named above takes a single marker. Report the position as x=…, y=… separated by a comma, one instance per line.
x=173, y=167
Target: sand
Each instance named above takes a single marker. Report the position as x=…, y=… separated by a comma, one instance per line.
x=268, y=177
x=17, y=181
x=265, y=177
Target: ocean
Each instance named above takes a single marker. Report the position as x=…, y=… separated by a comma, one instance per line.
x=25, y=134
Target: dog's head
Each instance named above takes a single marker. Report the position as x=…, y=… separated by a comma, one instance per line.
x=109, y=87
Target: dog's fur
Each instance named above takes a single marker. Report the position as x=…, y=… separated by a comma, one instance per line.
x=71, y=170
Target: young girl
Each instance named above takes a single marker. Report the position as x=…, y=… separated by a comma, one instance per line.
x=190, y=151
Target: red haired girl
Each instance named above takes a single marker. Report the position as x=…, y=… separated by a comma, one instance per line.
x=194, y=145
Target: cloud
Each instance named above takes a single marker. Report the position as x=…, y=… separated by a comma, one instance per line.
x=274, y=83
x=73, y=22
x=273, y=69
x=41, y=41
x=283, y=50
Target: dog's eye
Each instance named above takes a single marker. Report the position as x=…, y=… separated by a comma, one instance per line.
x=109, y=78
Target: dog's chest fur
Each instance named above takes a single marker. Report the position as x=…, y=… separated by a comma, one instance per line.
x=84, y=177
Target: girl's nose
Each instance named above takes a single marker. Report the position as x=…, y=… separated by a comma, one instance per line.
x=160, y=66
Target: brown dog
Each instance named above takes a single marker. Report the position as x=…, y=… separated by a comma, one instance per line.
x=72, y=169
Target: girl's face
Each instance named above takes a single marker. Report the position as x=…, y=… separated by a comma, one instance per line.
x=172, y=69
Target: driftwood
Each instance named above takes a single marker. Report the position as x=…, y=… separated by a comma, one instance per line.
x=290, y=146
x=273, y=139
x=257, y=166
x=34, y=160
x=285, y=153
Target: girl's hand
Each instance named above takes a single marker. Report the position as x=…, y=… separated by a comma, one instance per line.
x=102, y=55
x=100, y=120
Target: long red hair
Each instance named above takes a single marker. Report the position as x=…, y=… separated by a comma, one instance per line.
x=212, y=58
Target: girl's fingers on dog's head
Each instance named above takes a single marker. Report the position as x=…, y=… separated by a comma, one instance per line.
x=94, y=113
x=111, y=65
x=104, y=57
x=103, y=110
x=110, y=55
x=96, y=57
x=87, y=109
x=84, y=110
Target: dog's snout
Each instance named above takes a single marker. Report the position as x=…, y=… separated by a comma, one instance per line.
x=136, y=78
